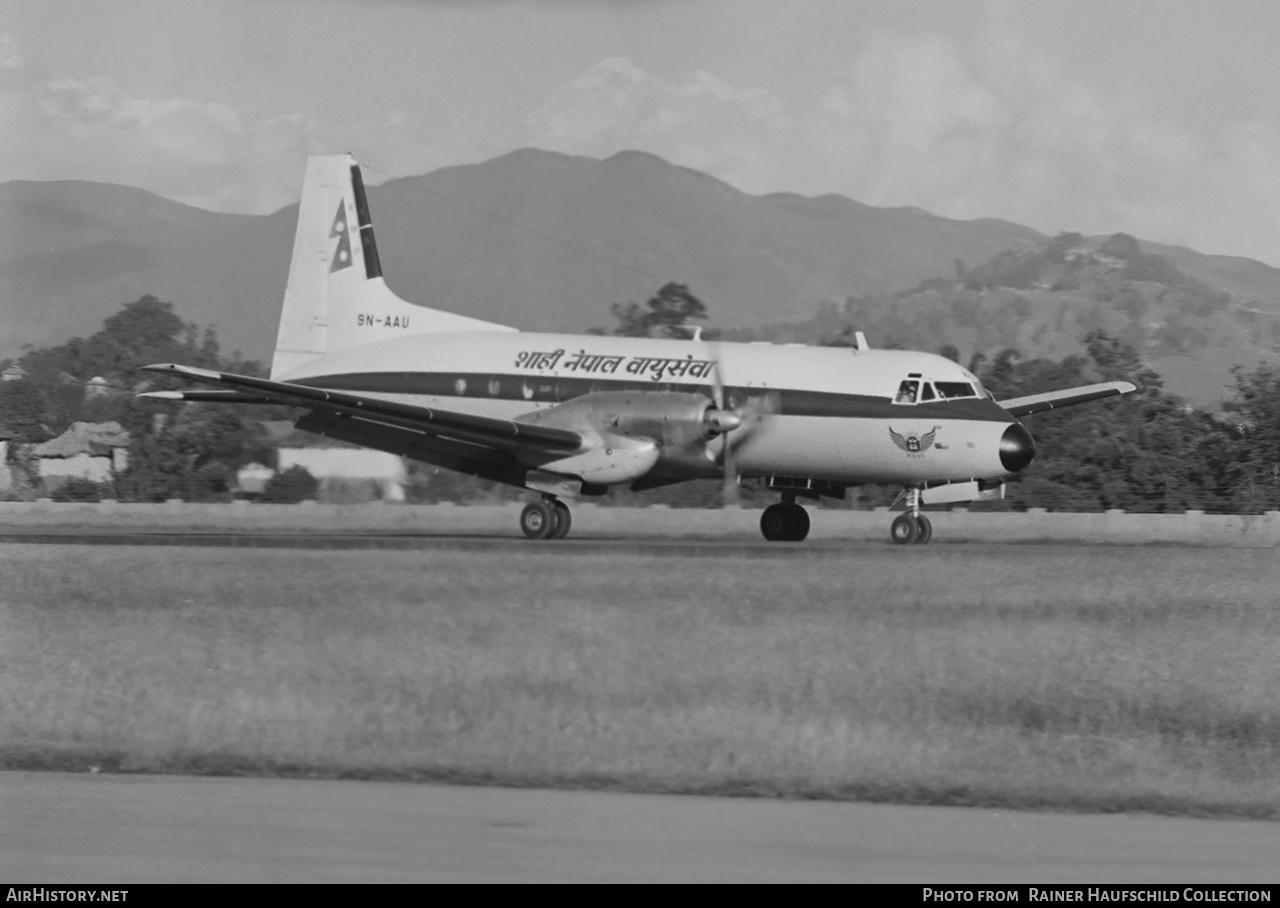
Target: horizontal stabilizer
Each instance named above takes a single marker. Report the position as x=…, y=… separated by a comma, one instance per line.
x=1054, y=400
x=504, y=434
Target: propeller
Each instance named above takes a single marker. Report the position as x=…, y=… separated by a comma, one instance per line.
x=724, y=421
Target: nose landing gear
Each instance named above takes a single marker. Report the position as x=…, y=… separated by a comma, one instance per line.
x=547, y=519
x=911, y=527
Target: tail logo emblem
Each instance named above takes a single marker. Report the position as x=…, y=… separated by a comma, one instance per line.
x=341, y=255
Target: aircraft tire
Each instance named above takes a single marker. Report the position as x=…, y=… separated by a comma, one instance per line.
x=774, y=523
x=926, y=530
x=538, y=520
x=563, y=520
x=798, y=518
x=904, y=529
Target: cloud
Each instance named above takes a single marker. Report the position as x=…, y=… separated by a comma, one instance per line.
x=10, y=56
x=990, y=128
x=1001, y=131
x=995, y=129
x=703, y=123
x=203, y=153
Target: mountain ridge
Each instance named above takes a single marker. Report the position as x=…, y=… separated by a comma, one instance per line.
x=535, y=239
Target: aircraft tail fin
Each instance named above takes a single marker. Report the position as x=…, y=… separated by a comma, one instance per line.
x=336, y=297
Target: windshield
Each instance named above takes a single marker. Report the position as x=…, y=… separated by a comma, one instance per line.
x=950, y=390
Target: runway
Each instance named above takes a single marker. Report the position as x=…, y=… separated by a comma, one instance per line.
x=583, y=545
x=106, y=830
x=377, y=525
x=593, y=544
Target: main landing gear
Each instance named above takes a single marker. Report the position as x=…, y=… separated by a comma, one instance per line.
x=547, y=519
x=785, y=522
x=911, y=526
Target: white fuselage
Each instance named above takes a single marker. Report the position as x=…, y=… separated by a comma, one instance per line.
x=818, y=412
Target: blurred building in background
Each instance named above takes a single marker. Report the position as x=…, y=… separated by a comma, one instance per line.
x=95, y=451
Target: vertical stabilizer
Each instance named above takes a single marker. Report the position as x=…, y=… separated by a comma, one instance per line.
x=336, y=298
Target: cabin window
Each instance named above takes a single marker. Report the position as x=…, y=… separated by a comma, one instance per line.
x=950, y=390
x=907, y=392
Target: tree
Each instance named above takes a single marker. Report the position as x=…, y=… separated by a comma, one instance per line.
x=175, y=452
x=1121, y=246
x=1117, y=361
x=292, y=485
x=190, y=452
x=672, y=306
x=24, y=411
x=78, y=488
x=1255, y=410
x=1146, y=451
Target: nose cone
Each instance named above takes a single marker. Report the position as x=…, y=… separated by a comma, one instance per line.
x=1017, y=448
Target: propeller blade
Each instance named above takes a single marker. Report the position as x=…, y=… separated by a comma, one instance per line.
x=724, y=421
x=729, y=491
x=717, y=380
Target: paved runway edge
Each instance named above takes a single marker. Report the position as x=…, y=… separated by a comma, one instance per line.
x=108, y=829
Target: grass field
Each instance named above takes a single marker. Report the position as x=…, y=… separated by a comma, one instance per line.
x=1097, y=678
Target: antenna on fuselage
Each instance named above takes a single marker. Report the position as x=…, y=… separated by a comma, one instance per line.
x=860, y=344
x=695, y=331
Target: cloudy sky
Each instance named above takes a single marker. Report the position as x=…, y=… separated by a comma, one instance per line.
x=1156, y=117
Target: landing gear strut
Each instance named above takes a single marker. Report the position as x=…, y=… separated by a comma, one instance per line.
x=911, y=526
x=785, y=522
x=547, y=519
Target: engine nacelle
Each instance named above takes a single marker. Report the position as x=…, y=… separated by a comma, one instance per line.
x=612, y=459
x=677, y=424
x=671, y=418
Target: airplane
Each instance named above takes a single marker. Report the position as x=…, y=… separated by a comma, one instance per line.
x=569, y=416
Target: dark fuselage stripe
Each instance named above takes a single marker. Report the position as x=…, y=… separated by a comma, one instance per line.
x=558, y=389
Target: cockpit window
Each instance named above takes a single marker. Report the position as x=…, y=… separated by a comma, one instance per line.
x=926, y=392
x=907, y=392
x=950, y=390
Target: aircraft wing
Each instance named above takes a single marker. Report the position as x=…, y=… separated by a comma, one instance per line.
x=504, y=434
x=1054, y=400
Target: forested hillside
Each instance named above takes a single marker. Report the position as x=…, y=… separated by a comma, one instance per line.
x=1043, y=300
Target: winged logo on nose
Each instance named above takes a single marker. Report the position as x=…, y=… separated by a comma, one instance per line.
x=914, y=444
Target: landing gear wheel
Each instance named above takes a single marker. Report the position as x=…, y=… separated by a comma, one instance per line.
x=799, y=523
x=564, y=520
x=538, y=520
x=904, y=530
x=774, y=523
x=926, y=530
x=784, y=523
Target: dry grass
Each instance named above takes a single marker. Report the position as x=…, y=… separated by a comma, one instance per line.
x=1097, y=678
